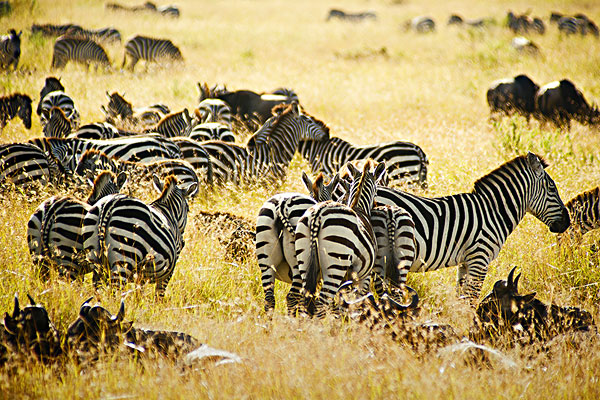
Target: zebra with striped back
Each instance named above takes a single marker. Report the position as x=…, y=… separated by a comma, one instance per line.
x=584, y=210
x=22, y=163
x=63, y=101
x=97, y=130
x=469, y=229
x=93, y=161
x=275, y=235
x=10, y=49
x=175, y=124
x=269, y=151
x=124, y=236
x=150, y=50
x=58, y=125
x=212, y=131
x=120, y=109
x=54, y=231
x=213, y=110
x=15, y=105
x=337, y=241
x=406, y=162
x=82, y=51
x=197, y=156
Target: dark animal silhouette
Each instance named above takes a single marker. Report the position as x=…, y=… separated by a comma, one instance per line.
x=15, y=105
x=10, y=50
x=509, y=96
x=352, y=17
x=559, y=102
x=524, y=23
x=456, y=19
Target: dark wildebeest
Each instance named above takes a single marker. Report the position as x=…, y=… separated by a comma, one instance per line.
x=509, y=96
x=524, y=45
x=252, y=108
x=353, y=17
x=559, y=102
x=524, y=23
x=523, y=317
x=15, y=105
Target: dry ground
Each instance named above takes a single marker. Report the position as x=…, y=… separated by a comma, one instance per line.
x=428, y=89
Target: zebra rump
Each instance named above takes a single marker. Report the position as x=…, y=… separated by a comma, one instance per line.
x=63, y=101
x=23, y=163
x=212, y=131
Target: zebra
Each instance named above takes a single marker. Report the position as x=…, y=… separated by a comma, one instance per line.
x=149, y=49
x=55, y=30
x=21, y=163
x=58, y=125
x=64, y=102
x=469, y=229
x=269, y=151
x=83, y=51
x=420, y=24
x=52, y=84
x=584, y=210
x=54, y=232
x=212, y=131
x=197, y=156
x=275, y=235
x=175, y=124
x=15, y=105
x=337, y=240
x=124, y=236
x=568, y=25
x=213, y=110
x=406, y=162
x=119, y=108
x=97, y=130
x=10, y=49
x=93, y=161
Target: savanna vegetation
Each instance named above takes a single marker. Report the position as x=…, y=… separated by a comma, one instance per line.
x=370, y=82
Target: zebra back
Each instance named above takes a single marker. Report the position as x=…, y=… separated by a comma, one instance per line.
x=175, y=124
x=213, y=110
x=98, y=130
x=212, y=131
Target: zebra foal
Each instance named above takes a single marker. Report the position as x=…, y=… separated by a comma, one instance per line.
x=150, y=50
x=584, y=210
x=83, y=51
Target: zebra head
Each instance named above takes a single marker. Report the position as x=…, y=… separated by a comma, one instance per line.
x=318, y=189
x=174, y=198
x=364, y=185
x=544, y=201
x=24, y=111
x=106, y=184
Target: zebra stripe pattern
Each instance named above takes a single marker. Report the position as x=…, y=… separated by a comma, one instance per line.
x=275, y=235
x=584, y=210
x=269, y=151
x=469, y=229
x=406, y=162
x=51, y=84
x=63, y=101
x=337, y=241
x=83, y=51
x=54, y=231
x=124, y=236
x=150, y=50
x=214, y=110
x=16, y=104
x=175, y=124
x=93, y=161
x=119, y=108
x=194, y=153
x=212, y=131
x=58, y=125
x=21, y=163
x=98, y=130
x=10, y=50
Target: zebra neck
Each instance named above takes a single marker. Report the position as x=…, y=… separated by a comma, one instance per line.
x=327, y=155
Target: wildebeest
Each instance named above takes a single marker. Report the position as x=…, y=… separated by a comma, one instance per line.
x=516, y=95
x=456, y=19
x=524, y=45
x=10, y=49
x=578, y=23
x=523, y=317
x=559, y=102
x=524, y=23
x=353, y=17
x=420, y=24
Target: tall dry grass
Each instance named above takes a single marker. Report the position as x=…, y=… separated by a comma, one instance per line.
x=427, y=89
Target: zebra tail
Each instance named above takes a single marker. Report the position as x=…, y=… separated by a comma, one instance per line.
x=391, y=225
x=285, y=221
x=312, y=269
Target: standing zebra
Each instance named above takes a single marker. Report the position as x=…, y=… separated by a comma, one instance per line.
x=10, y=49
x=61, y=100
x=58, y=125
x=214, y=110
x=469, y=229
x=54, y=231
x=269, y=151
x=149, y=49
x=197, y=156
x=337, y=240
x=275, y=235
x=406, y=162
x=21, y=163
x=584, y=210
x=97, y=130
x=83, y=51
x=16, y=104
x=124, y=236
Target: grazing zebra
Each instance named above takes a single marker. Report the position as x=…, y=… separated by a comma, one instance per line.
x=197, y=156
x=150, y=49
x=212, y=131
x=51, y=84
x=98, y=130
x=406, y=162
x=124, y=236
x=269, y=151
x=337, y=240
x=54, y=230
x=469, y=229
x=83, y=51
x=275, y=235
x=524, y=23
x=105, y=34
x=119, y=108
x=10, y=49
x=93, y=161
x=22, y=163
x=58, y=125
x=584, y=210
x=420, y=24
x=213, y=110
x=55, y=30
x=175, y=124
x=15, y=105
x=568, y=25
x=63, y=101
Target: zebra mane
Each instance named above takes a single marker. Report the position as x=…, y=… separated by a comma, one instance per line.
x=61, y=113
x=170, y=183
x=480, y=183
x=100, y=183
x=285, y=108
x=356, y=194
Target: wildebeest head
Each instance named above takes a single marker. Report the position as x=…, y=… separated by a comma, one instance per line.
x=30, y=330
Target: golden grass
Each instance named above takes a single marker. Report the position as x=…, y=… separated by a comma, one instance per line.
x=429, y=89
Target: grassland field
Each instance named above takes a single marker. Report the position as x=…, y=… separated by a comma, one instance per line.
x=427, y=89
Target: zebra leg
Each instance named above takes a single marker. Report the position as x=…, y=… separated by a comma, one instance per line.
x=120, y=274
x=461, y=276
x=476, y=272
x=303, y=255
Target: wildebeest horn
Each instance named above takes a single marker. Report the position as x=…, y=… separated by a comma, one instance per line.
x=509, y=280
x=107, y=94
x=517, y=282
x=31, y=300
x=17, y=309
x=414, y=300
x=121, y=314
x=84, y=303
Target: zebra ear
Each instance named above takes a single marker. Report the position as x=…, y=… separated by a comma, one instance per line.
x=158, y=185
x=121, y=314
x=307, y=181
x=121, y=179
x=296, y=109
x=17, y=308
x=191, y=190
x=535, y=164
x=355, y=172
x=380, y=171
